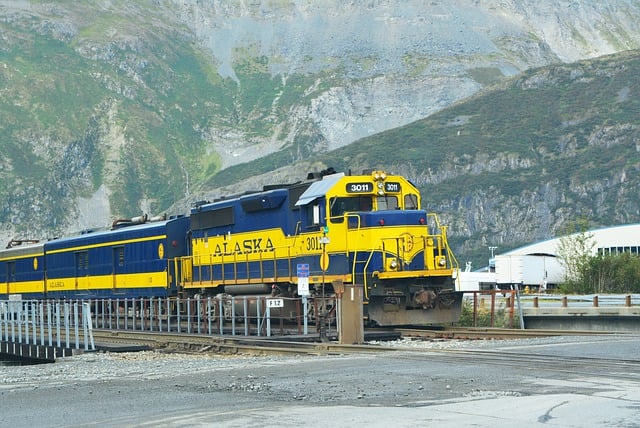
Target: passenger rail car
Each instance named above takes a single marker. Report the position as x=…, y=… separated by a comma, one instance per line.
x=366, y=229
x=124, y=262
x=22, y=269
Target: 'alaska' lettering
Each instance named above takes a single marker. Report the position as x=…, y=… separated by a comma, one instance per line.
x=247, y=246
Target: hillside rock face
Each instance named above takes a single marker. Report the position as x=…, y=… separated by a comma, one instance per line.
x=153, y=98
x=399, y=61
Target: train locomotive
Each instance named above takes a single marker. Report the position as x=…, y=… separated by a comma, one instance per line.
x=349, y=229
x=363, y=229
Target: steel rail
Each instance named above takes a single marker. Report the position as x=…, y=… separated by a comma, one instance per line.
x=179, y=342
x=466, y=333
x=624, y=369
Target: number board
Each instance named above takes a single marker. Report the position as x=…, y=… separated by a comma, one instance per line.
x=275, y=303
x=359, y=187
x=391, y=186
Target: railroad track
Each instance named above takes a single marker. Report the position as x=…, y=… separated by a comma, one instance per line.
x=178, y=342
x=182, y=342
x=623, y=369
x=467, y=333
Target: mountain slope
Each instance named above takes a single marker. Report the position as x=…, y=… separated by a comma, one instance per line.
x=110, y=108
x=518, y=162
x=521, y=161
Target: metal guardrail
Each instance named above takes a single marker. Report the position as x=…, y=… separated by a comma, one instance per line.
x=514, y=303
x=222, y=315
x=46, y=323
x=586, y=300
x=26, y=326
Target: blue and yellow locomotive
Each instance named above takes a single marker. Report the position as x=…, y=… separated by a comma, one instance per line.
x=364, y=229
x=358, y=229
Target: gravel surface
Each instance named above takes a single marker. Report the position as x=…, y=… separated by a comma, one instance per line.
x=396, y=388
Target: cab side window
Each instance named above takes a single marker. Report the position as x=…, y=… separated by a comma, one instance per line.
x=312, y=217
x=339, y=206
x=411, y=202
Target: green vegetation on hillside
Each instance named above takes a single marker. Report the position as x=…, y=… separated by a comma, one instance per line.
x=115, y=77
x=124, y=96
x=568, y=126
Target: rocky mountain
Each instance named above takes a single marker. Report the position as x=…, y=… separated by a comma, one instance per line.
x=546, y=151
x=111, y=108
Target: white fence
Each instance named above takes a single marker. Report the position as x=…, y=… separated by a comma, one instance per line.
x=228, y=315
x=32, y=322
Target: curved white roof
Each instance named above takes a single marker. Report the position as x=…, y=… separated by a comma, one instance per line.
x=609, y=237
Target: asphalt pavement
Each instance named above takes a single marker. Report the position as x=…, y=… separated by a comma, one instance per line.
x=446, y=386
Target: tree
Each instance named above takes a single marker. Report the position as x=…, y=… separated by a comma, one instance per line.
x=611, y=273
x=575, y=251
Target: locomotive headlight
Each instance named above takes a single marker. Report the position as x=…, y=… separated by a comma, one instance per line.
x=392, y=264
x=376, y=176
x=383, y=175
x=381, y=192
x=442, y=261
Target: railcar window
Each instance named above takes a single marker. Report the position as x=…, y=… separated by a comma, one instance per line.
x=311, y=217
x=82, y=261
x=11, y=271
x=118, y=255
x=387, y=202
x=411, y=202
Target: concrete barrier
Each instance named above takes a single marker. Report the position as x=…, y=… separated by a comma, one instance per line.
x=599, y=318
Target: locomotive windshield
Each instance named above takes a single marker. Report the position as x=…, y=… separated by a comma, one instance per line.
x=341, y=205
x=387, y=203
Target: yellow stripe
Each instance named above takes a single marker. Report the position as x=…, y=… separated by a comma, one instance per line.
x=23, y=287
x=26, y=256
x=104, y=282
x=107, y=244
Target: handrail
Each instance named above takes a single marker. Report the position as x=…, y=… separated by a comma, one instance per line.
x=235, y=258
x=355, y=252
x=366, y=265
x=206, y=261
x=445, y=242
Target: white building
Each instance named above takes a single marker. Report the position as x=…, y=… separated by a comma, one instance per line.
x=609, y=239
x=538, y=265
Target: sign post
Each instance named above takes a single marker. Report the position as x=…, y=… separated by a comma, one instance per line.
x=303, y=290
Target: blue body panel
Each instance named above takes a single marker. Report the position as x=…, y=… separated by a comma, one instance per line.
x=139, y=249
x=22, y=265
